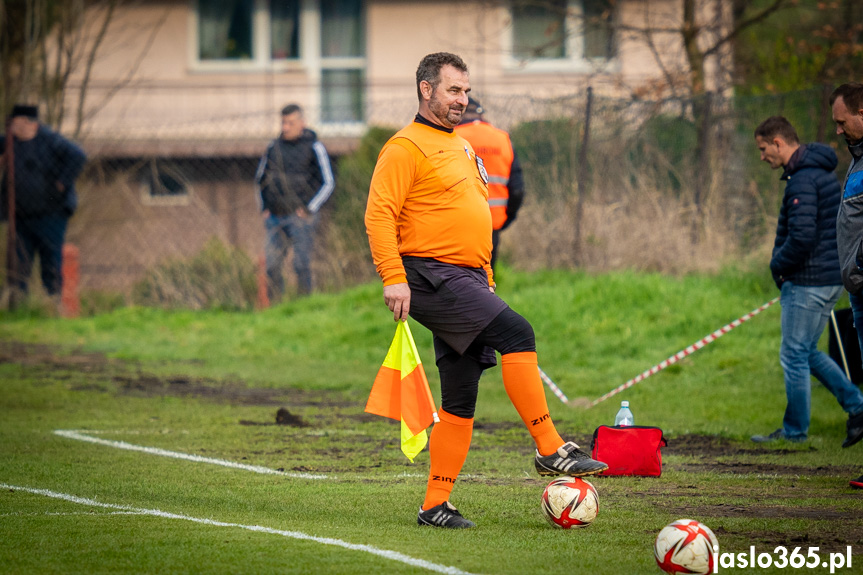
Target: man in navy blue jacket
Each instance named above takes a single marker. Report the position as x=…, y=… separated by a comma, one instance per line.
x=805, y=267
x=46, y=167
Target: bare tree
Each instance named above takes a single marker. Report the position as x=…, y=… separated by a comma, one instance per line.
x=51, y=42
x=691, y=43
x=706, y=30
x=40, y=50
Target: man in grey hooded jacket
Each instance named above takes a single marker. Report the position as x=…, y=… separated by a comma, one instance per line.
x=847, y=104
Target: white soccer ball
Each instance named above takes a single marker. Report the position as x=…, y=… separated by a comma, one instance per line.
x=685, y=546
x=569, y=502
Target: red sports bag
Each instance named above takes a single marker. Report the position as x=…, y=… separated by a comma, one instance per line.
x=629, y=450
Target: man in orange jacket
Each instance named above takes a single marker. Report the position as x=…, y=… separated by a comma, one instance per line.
x=429, y=229
x=505, y=180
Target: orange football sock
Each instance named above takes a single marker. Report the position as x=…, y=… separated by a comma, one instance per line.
x=524, y=388
x=448, y=447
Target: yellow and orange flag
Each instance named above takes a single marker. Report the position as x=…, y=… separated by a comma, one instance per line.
x=401, y=392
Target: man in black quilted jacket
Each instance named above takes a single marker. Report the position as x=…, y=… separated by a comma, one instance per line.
x=294, y=179
x=805, y=267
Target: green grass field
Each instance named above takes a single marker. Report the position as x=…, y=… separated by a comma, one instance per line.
x=341, y=498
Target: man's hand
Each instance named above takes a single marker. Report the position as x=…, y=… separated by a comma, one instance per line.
x=398, y=299
x=302, y=213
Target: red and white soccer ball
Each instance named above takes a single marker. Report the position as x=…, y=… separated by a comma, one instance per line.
x=686, y=546
x=569, y=502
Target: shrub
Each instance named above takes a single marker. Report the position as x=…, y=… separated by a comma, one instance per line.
x=347, y=255
x=217, y=277
x=664, y=146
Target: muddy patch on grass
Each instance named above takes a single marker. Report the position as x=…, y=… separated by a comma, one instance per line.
x=764, y=511
x=149, y=385
x=763, y=468
x=231, y=391
x=46, y=364
x=43, y=355
x=723, y=455
x=715, y=446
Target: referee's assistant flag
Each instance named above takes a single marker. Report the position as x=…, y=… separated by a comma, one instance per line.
x=401, y=392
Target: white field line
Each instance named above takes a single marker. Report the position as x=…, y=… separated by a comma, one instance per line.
x=386, y=554
x=72, y=434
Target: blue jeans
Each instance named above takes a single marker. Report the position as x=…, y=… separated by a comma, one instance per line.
x=43, y=235
x=301, y=231
x=805, y=312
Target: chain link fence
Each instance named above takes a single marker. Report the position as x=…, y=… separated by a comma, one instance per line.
x=670, y=186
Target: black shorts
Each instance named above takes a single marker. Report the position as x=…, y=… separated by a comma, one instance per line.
x=454, y=303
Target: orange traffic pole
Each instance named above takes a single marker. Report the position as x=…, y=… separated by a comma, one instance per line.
x=263, y=298
x=70, y=304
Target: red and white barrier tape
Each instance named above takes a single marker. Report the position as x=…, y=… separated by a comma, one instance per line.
x=684, y=352
x=556, y=390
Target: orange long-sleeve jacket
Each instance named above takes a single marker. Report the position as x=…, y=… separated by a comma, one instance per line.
x=495, y=148
x=428, y=198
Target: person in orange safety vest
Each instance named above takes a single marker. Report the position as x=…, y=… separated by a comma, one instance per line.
x=505, y=180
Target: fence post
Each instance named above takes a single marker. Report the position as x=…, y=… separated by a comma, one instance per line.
x=70, y=303
x=702, y=155
x=263, y=298
x=825, y=113
x=583, y=176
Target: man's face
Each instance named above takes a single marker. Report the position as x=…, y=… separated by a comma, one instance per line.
x=849, y=123
x=770, y=151
x=24, y=128
x=449, y=100
x=292, y=126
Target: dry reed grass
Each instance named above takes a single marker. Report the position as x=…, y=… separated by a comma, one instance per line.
x=642, y=231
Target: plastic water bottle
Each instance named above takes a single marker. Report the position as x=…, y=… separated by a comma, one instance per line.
x=624, y=415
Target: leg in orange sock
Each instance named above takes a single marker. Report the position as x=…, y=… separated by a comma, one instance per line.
x=448, y=447
x=524, y=388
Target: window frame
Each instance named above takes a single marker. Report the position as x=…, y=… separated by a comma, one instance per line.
x=310, y=60
x=358, y=63
x=261, y=41
x=573, y=61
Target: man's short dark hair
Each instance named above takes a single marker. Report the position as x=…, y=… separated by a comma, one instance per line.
x=777, y=126
x=291, y=109
x=851, y=94
x=430, y=66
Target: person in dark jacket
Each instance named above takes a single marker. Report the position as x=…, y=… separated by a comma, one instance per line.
x=805, y=267
x=294, y=179
x=46, y=166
